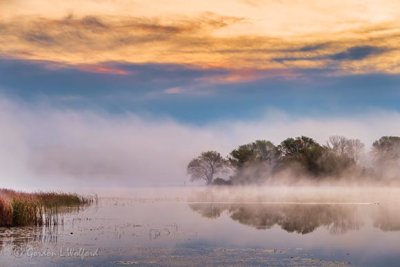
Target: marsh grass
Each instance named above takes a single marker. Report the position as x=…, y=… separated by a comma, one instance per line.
x=41, y=208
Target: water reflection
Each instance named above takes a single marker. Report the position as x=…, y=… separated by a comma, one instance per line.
x=18, y=238
x=265, y=227
x=387, y=218
x=301, y=218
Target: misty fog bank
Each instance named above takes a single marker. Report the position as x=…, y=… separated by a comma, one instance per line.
x=45, y=147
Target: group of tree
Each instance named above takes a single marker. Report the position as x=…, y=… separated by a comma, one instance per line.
x=260, y=161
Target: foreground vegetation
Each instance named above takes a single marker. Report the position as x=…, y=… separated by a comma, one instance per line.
x=22, y=209
x=300, y=159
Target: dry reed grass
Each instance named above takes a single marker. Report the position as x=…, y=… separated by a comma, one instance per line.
x=22, y=209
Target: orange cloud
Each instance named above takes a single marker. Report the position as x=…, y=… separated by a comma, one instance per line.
x=104, y=69
x=236, y=35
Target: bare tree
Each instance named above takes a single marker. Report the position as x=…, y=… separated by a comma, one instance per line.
x=206, y=166
x=344, y=147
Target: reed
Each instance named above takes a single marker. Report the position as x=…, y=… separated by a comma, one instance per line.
x=22, y=209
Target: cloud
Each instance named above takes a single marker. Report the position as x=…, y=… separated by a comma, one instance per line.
x=104, y=69
x=352, y=53
x=40, y=38
x=174, y=90
x=308, y=48
x=51, y=78
x=140, y=88
x=44, y=146
x=74, y=35
x=357, y=53
x=216, y=39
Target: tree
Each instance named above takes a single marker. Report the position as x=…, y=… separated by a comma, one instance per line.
x=256, y=152
x=387, y=148
x=253, y=162
x=386, y=155
x=303, y=152
x=206, y=166
x=220, y=181
x=347, y=149
x=341, y=155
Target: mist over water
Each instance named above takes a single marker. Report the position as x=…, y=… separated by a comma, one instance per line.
x=257, y=226
x=186, y=133
x=147, y=206
x=303, y=209
x=84, y=151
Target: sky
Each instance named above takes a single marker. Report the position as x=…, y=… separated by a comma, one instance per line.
x=126, y=92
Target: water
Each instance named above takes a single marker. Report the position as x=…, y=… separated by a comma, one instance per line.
x=165, y=227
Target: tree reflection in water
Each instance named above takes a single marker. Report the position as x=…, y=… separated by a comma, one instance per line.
x=302, y=218
x=387, y=218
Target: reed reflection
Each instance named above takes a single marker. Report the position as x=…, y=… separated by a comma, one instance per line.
x=18, y=238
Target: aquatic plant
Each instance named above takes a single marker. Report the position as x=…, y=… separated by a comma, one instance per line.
x=22, y=209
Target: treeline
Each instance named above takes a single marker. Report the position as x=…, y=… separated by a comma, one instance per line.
x=299, y=158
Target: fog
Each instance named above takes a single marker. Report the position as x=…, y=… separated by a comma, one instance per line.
x=302, y=209
x=47, y=147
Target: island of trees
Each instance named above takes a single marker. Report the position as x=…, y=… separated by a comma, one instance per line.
x=300, y=159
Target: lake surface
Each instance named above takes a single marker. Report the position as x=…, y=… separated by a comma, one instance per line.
x=211, y=227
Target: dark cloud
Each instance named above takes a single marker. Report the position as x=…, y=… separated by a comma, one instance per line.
x=93, y=23
x=39, y=38
x=308, y=48
x=314, y=47
x=352, y=53
x=357, y=53
x=105, y=32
